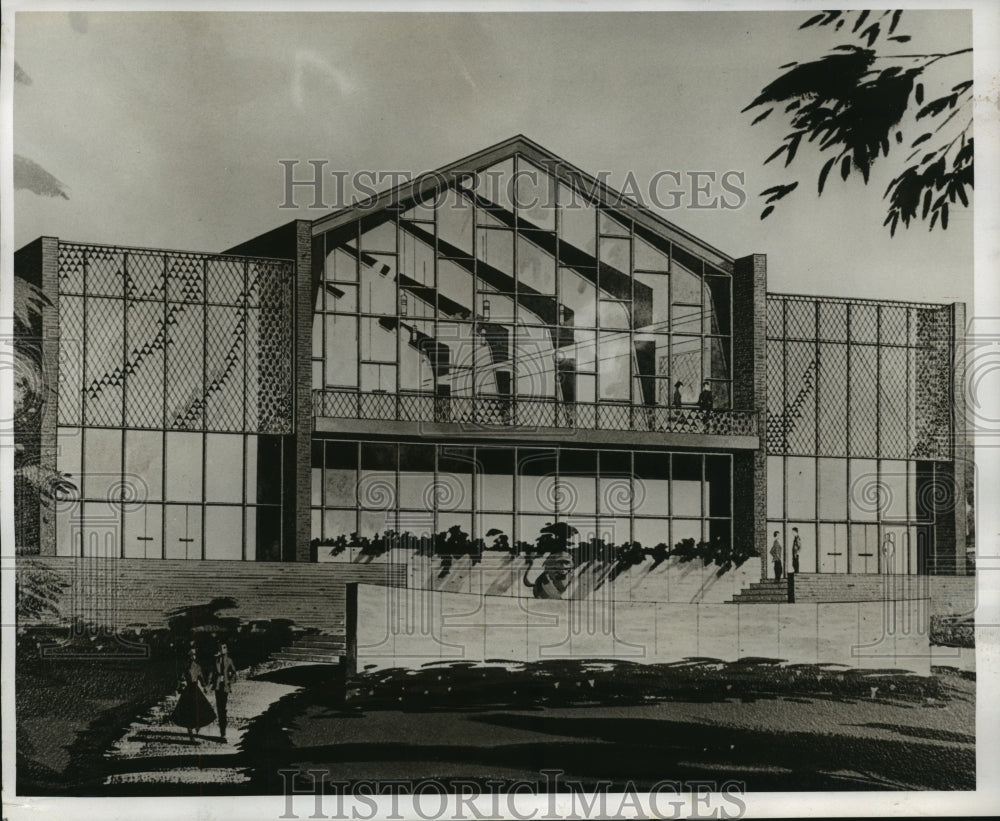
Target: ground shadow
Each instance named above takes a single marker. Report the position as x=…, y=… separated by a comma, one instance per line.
x=922, y=732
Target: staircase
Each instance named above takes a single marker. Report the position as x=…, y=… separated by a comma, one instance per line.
x=765, y=592
x=315, y=649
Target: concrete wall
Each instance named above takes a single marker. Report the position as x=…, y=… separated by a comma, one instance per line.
x=401, y=627
x=500, y=574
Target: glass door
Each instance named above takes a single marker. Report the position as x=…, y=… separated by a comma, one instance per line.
x=832, y=547
x=182, y=531
x=864, y=553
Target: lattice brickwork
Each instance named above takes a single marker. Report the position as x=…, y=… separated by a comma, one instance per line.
x=176, y=341
x=859, y=378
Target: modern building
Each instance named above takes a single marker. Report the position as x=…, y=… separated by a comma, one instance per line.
x=520, y=346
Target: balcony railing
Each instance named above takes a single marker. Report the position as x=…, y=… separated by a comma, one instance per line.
x=499, y=412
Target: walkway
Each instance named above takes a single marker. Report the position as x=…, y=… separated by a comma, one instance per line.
x=154, y=736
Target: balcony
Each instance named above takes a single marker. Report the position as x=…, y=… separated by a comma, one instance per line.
x=521, y=415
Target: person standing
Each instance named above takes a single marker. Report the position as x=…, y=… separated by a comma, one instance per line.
x=776, y=555
x=222, y=683
x=796, y=549
x=705, y=401
x=193, y=710
x=677, y=394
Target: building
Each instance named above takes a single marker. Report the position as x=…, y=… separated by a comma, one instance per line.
x=520, y=347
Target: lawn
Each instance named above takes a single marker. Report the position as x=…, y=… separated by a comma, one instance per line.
x=73, y=702
x=773, y=727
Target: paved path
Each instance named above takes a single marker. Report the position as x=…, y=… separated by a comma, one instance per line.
x=154, y=735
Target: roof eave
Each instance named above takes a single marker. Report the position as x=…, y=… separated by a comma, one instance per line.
x=559, y=168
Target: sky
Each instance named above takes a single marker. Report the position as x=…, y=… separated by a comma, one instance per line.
x=167, y=128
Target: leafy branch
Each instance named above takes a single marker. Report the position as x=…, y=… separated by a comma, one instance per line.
x=850, y=108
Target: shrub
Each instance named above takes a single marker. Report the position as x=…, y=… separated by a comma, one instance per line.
x=953, y=631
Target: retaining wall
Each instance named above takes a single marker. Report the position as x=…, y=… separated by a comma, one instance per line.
x=948, y=595
x=114, y=592
x=501, y=574
x=410, y=628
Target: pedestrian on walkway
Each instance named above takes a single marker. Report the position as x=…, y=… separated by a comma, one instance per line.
x=193, y=710
x=796, y=549
x=776, y=555
x=222, y=683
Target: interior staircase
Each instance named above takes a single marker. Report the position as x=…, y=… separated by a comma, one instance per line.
x=769, y=591
x=314, y=649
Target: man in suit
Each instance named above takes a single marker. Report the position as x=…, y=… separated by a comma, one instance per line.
x=222, y=684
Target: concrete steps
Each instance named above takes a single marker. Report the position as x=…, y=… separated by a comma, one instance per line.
x=769, y=591
x=323, y=649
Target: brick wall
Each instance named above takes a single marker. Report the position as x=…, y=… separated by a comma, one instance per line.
x=750, y=391
x=38, y=263
x=948, y=595
x=294, y=241
x=120, y=592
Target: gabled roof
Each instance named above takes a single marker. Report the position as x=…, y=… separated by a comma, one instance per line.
x=413, y=191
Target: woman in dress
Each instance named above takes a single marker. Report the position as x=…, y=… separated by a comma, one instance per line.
x=193, y=710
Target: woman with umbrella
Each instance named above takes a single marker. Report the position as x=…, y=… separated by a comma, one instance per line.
x=193, y=710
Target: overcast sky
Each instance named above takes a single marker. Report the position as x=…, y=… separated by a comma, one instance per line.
x=167, y=128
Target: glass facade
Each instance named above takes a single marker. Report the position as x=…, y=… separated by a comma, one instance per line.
x=858, y=431
x=848, y=378
x=855, y=515
x=616, y=495
x=175, y=402
x=519, y=290
x=510, y=299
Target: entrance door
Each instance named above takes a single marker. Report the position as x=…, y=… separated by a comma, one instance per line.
x=182, y=531
x=832, y=548
x=864, y=553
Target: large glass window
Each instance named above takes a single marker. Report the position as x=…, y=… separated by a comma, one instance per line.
x=577, y=493
x=614, y=495
x=577, y=223
x=102, y=453
x=857, y=379
x=496, y=478
x=144, y=463
x=535, y=196
x=539, y=257
x=223, y=532
x=832, y=475
x=184, y=467
x=416, y=476
x=454, y=480
x=223, y=468
x=800, y=487
x=867, y=509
